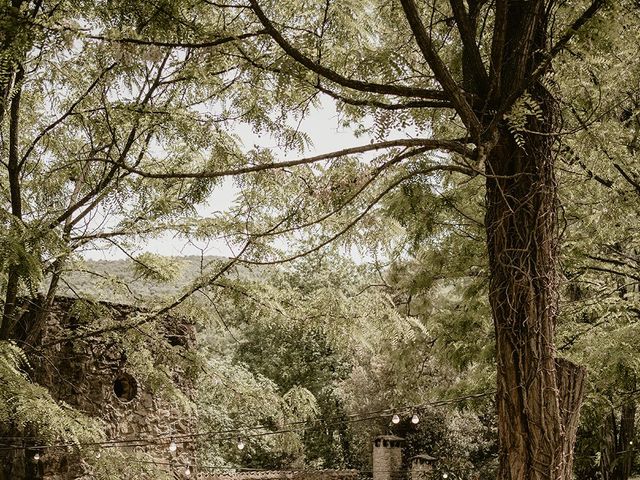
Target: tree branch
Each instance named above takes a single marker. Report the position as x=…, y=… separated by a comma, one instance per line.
x=587, y=15
x=544, y=65
x=298, y=56
x=157, y=43
x=349, y=100
x=397, y=159
x=231, y=262
x=628, y=177
x=65, y=115
x=448, y=145
x=440, y=70
x=383, y=105
x=352, y=223
x=468, y=37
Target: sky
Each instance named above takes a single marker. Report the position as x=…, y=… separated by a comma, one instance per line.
x=321, y=124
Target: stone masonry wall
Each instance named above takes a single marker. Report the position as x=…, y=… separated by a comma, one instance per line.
x=387, y=458
x=93, y=377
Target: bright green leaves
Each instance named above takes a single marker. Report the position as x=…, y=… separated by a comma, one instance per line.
x=518, y=116
x=31, y=408
x=156, y=267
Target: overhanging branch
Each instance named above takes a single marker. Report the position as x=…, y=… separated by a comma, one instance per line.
x=369, y=207
x=192, y=45
x=298, y=56
x=447, y=145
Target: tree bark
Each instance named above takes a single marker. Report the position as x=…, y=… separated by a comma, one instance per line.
x=617, y=449
x=626, y=449
x=538, y=395
x=608, y=446
x=13, y=170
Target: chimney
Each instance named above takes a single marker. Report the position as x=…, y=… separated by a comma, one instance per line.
x=422, y=466
x=387, y=457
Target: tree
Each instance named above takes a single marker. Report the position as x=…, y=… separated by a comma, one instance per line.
x=600, y=260
x=75, y=103
x=493, y=77
x=473, y=81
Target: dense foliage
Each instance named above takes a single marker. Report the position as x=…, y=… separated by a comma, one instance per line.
x=117, y=127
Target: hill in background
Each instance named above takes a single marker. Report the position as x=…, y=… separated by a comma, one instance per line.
x=125, y=281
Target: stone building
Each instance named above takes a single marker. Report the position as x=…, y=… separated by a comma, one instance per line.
x=387, y=457
x=93, y=375
x=422, y=466
x=388, y=464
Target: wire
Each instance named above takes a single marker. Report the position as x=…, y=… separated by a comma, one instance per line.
x=229, y=434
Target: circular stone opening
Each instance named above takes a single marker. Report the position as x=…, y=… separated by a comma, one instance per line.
x=125, y=387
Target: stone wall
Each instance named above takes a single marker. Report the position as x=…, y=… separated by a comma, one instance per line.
x=285, y=475
x=387, y=457
x=92, y=375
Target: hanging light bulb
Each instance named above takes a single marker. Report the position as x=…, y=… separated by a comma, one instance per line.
x=415, y=419
x=36, y=457
x=172, y=446
x=98, y=454
x=187, y=471
x=395, y=419
x=445, y=475
x=240, y=444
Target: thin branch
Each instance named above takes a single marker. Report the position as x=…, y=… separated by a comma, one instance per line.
x=448, y=145
x=109, y=175
x=177, y=302
x=613, y=272
x=379, y=170
x=193, y=45
x=383, y=105
x=159, y=313
x=628, y=177
x=578, y=23
x=65, y=115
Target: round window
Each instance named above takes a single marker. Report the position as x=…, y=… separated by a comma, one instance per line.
x=125, y=387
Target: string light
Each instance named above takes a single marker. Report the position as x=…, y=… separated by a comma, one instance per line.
x=228, y=434
x=240, y=444
x=187, y=471
x=97, y=454
x=415, y=419
x=395, y=419
x=36, y=457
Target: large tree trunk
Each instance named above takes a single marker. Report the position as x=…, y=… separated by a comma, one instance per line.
x=538, y=395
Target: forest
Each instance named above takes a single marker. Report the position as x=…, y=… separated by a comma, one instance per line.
x=461, y=274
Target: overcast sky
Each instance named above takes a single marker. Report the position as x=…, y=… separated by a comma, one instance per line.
x=320, y=124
